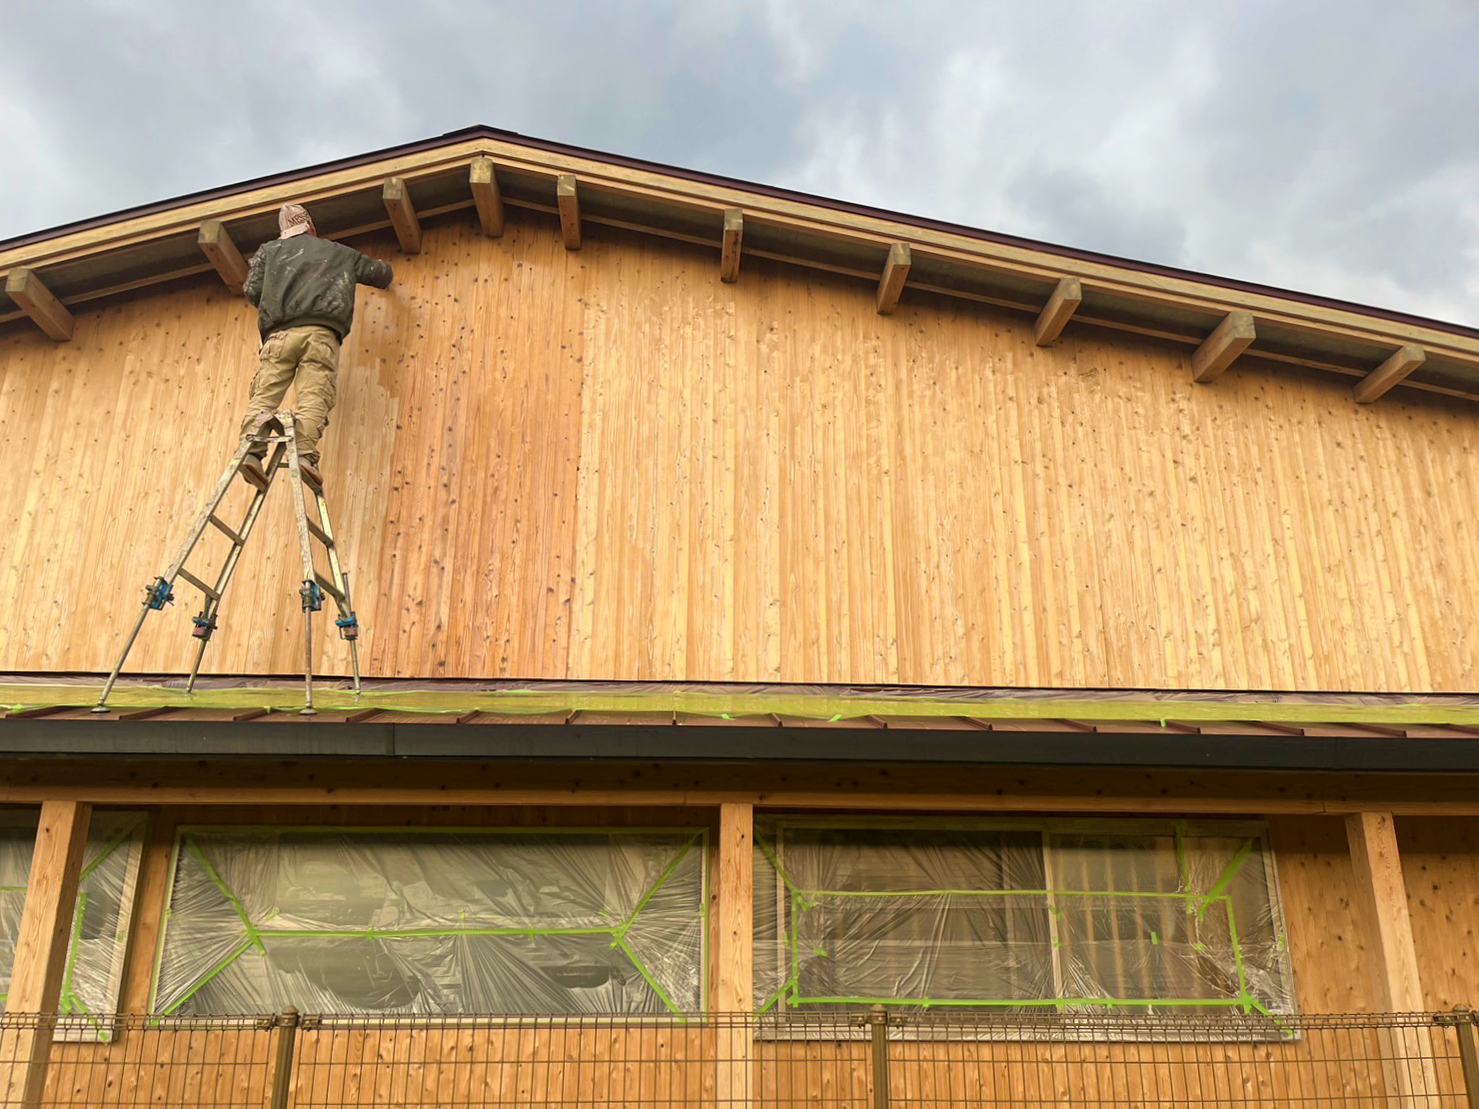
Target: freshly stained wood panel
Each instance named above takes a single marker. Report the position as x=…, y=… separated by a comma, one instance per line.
x=607, y=464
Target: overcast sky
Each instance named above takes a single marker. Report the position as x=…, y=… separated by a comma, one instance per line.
x=1331, y=147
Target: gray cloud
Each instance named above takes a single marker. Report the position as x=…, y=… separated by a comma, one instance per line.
x=1316, y=144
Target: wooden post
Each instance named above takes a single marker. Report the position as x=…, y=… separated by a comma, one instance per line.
x=736, y=951
x=1382, y=902
x=41, y=947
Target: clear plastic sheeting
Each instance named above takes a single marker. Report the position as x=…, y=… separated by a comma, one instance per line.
x=426, y=921
x=1056, y=915
x=100, y=923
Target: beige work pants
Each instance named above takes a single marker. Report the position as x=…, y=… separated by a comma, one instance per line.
x=311, y=354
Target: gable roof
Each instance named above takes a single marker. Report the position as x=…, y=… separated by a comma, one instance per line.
x=1217, y=318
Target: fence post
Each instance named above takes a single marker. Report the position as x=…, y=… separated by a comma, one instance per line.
x=284, y=1036
x=878, y=1035
x=1468, y=1051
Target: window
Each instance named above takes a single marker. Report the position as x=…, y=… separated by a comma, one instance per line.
x=427, y=921
x=100, y=923
x=1111, y=916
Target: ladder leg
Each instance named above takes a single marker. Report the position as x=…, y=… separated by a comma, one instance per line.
x=308, y=709
x=161, y=592
x=102, y=705
x=348, y=622
x=311, y=594
x=205, y=623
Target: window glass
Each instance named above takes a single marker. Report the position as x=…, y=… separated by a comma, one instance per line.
x=1054, y=916
x=430, y=921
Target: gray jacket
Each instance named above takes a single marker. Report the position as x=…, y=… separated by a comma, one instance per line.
x=308, y=280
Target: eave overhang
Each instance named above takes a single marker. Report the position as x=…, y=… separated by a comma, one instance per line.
x=84, y=263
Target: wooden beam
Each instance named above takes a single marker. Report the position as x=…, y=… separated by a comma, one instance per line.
x=1390, y=373
x=736, y=949
x=734, y=233
x=402, y=215
x=36, y=301
x=235, y=780
x=1222, y=347
x=484, y=182
x=569, y=203
x=1381, y=903
x=216, y=243
x=895, y=273
x=1059, y=310
x=41, y=945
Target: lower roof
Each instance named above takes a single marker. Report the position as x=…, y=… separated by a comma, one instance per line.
x=615, y=721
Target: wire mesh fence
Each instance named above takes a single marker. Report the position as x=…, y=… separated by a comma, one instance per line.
x=857, y=1060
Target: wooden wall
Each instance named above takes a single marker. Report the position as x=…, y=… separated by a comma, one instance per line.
x=607, y=464
x=1440, y=866
x=1327, y=939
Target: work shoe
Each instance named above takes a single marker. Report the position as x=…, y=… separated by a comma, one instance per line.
x=310, y=473
x=253, y=470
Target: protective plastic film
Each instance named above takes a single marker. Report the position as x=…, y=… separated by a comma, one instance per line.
x=1021, y=917
x=428, y=921
x=100, y=923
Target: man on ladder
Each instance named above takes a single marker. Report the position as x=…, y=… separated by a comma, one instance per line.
x=303, y=289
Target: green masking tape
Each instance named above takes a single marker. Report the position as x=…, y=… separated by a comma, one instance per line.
x=199, y=856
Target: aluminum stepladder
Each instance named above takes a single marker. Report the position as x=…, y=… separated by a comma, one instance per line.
x=276, y=433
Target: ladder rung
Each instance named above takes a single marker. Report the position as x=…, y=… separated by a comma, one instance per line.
x=329, y=587
x=226, y=530
x=200, y=585
x=319, y=533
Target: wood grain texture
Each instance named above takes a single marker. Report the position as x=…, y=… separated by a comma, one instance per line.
x=1440, y=866
x=606, y=464
x=1327, y=942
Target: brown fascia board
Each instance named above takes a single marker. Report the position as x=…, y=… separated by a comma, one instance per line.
x=64, y=738
x=481, y=131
